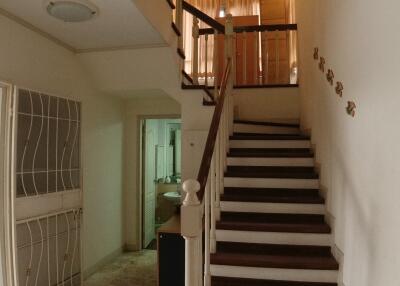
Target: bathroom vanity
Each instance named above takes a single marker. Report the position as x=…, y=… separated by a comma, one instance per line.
x=171, y=253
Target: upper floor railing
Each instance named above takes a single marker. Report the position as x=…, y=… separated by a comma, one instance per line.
x=263, y=55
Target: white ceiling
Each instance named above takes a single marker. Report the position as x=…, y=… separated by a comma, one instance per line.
x=118, y=24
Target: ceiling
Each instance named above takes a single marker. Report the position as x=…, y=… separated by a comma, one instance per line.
x=119, y=24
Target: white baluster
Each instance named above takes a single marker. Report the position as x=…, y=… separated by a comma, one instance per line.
x=195, y=59
x=191, y=228
x=213, y=183
x=179, y=22
x=221, y=160
x=215, y=65
x=207, y=235
x=218, y=176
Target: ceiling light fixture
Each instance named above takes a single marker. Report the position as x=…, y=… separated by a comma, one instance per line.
x=71, y=10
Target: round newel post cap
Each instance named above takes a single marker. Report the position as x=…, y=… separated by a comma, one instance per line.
x=191, y=187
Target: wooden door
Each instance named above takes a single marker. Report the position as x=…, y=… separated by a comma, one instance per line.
x=275, y=45
x=149, y=196
x=245, y=49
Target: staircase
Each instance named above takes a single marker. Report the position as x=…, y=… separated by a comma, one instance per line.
x=272, y=230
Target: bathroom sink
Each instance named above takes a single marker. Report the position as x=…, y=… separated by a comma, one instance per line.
x=173, y=197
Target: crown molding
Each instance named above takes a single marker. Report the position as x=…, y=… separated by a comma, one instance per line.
x=120, y=48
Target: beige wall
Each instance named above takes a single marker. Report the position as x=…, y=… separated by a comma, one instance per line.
x=359, y=156
x=268, y=104
x=31, y=61
x=161, y=106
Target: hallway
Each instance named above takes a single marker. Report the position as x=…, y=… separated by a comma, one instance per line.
x=130, y=269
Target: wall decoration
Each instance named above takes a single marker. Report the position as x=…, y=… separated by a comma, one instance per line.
x=330, y=76
x=339, y=88
x=316, y=54
x=351, y=106
x=322, y=64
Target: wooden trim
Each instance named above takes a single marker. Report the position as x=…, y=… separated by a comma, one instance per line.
x=171, y=4
x=210, y=95
x=203, y=17
x=176, y=30
x=212, y=134
x=264, y=28
x=188, y=77
x=181, y=53
x=209, y=103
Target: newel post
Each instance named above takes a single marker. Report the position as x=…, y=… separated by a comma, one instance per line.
x=195, y=59
x=191, y=229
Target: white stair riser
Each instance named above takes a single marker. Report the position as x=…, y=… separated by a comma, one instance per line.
x=254, y=207
x=272, y=162
x=304, y=275
x=248, y=128
x=303, y=144
x=271, y=183
x=274, y=237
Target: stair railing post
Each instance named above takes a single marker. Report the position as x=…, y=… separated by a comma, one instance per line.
x=191, y=228
x=231, y=43
x=215, y=65
x=195, y=59
x=179, y=22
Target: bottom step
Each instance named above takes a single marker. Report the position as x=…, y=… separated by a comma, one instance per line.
x=261, y=273
x=228, y=281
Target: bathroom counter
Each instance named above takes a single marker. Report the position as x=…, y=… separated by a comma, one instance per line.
x=173, y=225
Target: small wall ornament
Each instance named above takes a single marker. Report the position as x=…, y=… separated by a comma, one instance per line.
x=330, y=76
x=316, y=54
x=351, y=106
x=339, y=88
x=322, y=64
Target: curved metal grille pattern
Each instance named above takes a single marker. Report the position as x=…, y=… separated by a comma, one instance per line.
x=48, y=144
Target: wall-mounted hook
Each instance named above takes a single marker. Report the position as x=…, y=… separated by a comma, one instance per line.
x=339, y=88
x=351, y=106
x=316, y=54
x=330, y=76
x=322, y=64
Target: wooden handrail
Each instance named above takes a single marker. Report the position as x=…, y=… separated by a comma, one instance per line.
x=258, y=28
x=263, y=28
x=212, y=134
x=203, y=17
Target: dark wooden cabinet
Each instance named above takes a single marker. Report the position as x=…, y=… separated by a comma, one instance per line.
x=171, y=255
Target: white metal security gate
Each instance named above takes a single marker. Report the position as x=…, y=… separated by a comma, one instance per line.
x=47, y=192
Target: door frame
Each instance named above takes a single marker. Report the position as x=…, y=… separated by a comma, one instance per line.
x=140, y=174
x=7, y=158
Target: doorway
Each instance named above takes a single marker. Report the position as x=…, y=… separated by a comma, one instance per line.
x=161, y=175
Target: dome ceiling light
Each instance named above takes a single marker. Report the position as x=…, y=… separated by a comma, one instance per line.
x=72, y=10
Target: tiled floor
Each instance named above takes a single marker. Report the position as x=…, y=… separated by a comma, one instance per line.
x=130, y=269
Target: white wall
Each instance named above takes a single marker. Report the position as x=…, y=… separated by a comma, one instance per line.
x=358, y=156
x=268, y=104
x=31, y=61
x=161, y=106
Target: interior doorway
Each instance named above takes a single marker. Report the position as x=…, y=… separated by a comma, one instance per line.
x=161, y=175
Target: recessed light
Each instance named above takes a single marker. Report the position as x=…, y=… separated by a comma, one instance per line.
x=72, y=10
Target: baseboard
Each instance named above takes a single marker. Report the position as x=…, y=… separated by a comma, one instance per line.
x=106, y=260
x=131, y=247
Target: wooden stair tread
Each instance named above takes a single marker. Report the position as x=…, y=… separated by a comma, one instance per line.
x=271, y=153
x=271, y=192
x=230, y=281
x=274, y=249
x=271, y=172
x=274, y=261
x=261, y=198
x=262, y=222
x=269, y=137
x=266, y=123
